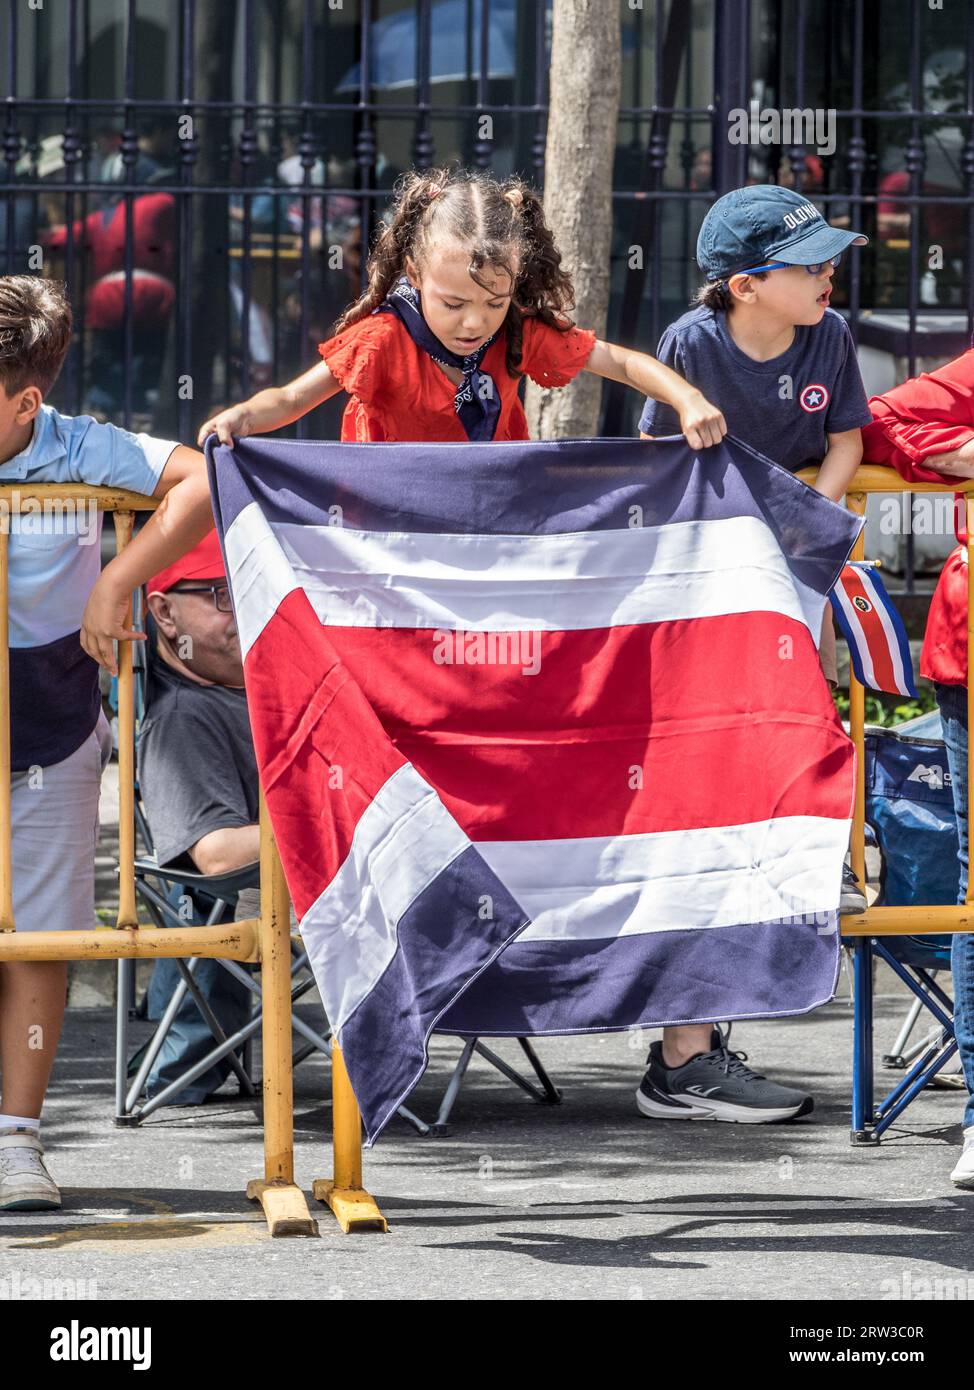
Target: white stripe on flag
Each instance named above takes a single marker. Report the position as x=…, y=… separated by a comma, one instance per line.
x=259, y=572
x=673, y=880
x=502, y=583
x=403, y=840
x=862, y=646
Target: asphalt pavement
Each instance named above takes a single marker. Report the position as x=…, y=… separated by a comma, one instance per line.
x=520, y=1200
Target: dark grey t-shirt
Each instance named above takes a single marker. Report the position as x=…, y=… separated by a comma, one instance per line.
x=197, y=770
x=785, y=407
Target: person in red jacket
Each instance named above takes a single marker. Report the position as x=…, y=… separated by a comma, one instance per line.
x=924, y=429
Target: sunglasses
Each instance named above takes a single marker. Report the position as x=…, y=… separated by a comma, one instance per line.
x=816, y=269
x=220, y=592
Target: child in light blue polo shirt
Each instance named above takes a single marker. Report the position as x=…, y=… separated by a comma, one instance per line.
x=59, y=631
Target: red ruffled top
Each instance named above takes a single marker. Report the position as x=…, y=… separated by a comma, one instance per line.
x=397, y=392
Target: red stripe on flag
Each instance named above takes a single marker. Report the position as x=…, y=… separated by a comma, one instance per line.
x=322, y=753
x=664, y=726
x=872, y=630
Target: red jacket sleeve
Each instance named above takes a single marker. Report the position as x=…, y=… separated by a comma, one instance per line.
x=552, y=357
x=903, y=446
x=929, y=414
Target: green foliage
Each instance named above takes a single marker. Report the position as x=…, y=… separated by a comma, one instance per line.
x=888, y=710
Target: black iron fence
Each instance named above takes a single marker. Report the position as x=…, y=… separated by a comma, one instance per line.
x=205, y=173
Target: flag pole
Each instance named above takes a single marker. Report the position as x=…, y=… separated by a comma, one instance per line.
x=856, y=502
x=284, y=1204
x=354, y=1209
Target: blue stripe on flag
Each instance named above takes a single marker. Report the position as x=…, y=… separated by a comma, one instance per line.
x=443, y=946
x=652, y=979
x=531, y=488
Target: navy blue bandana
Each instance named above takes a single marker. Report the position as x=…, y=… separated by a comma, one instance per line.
x=476, y=401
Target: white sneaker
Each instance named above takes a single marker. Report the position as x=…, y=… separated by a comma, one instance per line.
x=25, y=1184
x=963, y=1174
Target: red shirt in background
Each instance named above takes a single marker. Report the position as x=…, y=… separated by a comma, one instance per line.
x=931, y=414
x=102, y=235
x=397, y=392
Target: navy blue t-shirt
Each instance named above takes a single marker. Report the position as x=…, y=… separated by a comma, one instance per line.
x=785, y=407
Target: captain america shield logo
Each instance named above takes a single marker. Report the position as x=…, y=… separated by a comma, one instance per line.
x=813, y=398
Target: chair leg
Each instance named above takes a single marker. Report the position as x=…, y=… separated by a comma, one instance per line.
x=506, y=1070
x=552, y=1093
x=921, y=1075
x=164, y=1096
x=152, y=1051
x=124, y=974
x=862, y=1057
x=547, y=1092
x=442, y=1120
x=896, y=1057
x=241, y=1041
x=418, y=1125
x=213, y=1023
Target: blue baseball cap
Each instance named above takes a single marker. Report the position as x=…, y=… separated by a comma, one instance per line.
x=766, y=223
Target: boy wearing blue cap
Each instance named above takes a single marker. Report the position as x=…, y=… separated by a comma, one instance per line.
x=765, y=347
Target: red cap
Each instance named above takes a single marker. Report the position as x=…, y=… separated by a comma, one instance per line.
x=204, y=561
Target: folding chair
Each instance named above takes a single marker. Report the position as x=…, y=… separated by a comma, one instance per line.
x=909, y=809
x=164, y=892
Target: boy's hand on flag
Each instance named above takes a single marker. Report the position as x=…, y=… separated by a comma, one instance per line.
x=104, y=622
x=226, y=425
x=702, y=423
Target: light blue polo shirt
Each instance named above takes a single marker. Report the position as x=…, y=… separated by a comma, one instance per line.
x=55, y=559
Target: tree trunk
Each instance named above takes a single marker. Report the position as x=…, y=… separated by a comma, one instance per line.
x=585, y=79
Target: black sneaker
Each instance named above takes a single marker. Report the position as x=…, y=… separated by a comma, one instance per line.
x=852, y=900
x=715, y=1085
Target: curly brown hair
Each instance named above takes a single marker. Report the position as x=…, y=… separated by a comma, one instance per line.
x=498, y=223
x=35, y=332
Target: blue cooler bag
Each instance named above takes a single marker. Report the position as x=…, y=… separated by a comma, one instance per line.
x=910, y=810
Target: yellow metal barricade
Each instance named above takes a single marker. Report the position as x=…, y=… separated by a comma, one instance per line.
x=902, y=921
x=265, y=940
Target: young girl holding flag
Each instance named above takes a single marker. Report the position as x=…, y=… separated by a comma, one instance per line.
x=466, y=294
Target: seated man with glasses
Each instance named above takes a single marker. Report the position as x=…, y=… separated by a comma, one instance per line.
x=198, y=779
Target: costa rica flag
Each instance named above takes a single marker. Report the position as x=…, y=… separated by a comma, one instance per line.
x=878, y=645
x=543, y=733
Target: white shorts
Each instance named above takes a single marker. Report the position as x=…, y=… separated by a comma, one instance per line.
x=54, y=817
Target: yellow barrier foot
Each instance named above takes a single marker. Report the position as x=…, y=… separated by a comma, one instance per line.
x=285, y=1207
x=354, y=1209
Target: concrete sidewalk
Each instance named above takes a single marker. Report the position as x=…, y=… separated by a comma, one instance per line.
x=583, y=1200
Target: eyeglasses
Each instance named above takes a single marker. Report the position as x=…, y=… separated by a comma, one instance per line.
x=815, y=269
x=220, y=592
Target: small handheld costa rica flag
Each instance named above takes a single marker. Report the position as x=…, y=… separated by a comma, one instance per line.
x=878, y=644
